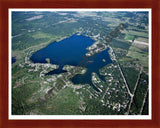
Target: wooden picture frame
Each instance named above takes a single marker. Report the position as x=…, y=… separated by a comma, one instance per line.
x=4, y=51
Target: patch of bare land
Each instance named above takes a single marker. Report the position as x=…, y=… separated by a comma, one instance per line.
x=140, y=42
x=34, y=18
x=16, y=35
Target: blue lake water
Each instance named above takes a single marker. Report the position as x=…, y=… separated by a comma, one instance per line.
x=13, y=60
x=69, y=52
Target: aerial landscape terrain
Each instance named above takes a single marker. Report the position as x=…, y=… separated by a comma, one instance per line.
x=80, y=62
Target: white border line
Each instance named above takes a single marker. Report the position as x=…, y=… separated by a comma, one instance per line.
x=81, y=117
x=83, y=9
x=150, y=63
x=10, y=63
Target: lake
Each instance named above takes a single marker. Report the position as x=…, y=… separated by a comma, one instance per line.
x=69, y=52
x=13, y=60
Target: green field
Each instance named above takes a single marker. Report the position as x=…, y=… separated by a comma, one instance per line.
x=137, y=53
x=40, y=35
x=142, y=39
x=65, y=103
x=129, y=37
x=136, y=33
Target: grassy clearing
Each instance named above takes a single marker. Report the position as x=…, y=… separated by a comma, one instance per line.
x=137, y=53
x=120, y=44
x=65, y=103
x=131, y=76
x=136, y=33
x=141, y=47
x=126, y=59
x=41, y=35
x=142, y=39
x=18, y=54
x=22, y=89
x=129, y=37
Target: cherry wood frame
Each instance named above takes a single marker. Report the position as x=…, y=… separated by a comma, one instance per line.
x=4, y=13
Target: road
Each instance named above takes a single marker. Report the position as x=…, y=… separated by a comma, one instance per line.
x=129, y=107
x=144, y=100
x=131, y=95
x=125, y=81
x=123, y=76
